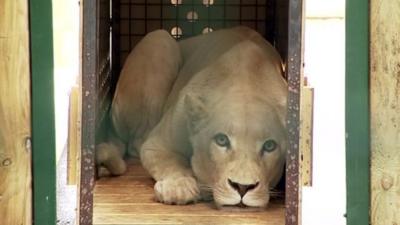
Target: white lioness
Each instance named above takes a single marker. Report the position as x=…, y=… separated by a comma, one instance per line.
x=206, y=114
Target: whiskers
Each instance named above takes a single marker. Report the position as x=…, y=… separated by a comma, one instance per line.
x=205, y=187
x=224, y=195
x=276, y=194
x=206, y=192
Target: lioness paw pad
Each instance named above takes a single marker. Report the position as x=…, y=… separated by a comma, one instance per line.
x=180, y=191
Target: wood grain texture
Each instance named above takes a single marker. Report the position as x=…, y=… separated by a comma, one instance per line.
x=129, y=199
x=73, y=137
x=15, y=118
x=80, y=112
x=385, y=111
x=306, y=134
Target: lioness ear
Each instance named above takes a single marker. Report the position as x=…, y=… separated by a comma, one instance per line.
x=195, y=110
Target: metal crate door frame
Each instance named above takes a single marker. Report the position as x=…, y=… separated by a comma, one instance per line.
x=97, y=84
x=357, y=112
x=89, y=100
x=90, y=91
x=294, y=70
x=43, y=118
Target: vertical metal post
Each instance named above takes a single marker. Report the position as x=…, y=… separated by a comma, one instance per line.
x=357, y=112
x=43, y=124
x=294, y=69
x=89, y=106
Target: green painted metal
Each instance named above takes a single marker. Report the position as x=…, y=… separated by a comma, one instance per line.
x=43, y=125
x=357, y=112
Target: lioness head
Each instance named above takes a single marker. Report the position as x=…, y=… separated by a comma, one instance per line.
x=237, y=129
x=239, y=148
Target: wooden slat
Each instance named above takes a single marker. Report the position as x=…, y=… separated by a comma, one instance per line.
x=134, y=197
x=129, y=199
x=188, y=220
x=15, y=117
x=73, y=139
x=199, y=209
x=385, y=111
x=79, y=81
x=125, y=181
x=306, y=133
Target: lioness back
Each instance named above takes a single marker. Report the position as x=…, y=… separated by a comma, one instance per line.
x=200, y=51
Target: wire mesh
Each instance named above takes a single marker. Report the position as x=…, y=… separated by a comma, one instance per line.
x=186, y=18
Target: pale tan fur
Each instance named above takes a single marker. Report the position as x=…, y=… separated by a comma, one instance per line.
x=230, y=81
x=143, y=86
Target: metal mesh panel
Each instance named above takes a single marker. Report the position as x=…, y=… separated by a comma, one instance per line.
x=186, y=18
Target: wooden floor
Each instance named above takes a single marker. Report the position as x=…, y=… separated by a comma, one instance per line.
x=129, y=199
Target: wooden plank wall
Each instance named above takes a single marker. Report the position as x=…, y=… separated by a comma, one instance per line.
x=73, y=137
x=15, y=119
x=306, y=134
x=385, y=111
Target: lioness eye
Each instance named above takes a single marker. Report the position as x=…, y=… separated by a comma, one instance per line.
x=269, y=146
x=222, y=140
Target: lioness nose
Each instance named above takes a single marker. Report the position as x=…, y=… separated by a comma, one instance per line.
x=242, y=188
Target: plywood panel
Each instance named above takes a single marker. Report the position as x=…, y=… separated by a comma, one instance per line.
x=306, y=134
x=129, y=199
x=73, y=137
x=15, y=131
x=385, y=111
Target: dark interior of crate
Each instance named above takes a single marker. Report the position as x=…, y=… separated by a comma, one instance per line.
x=132, y=19
x=185, y=18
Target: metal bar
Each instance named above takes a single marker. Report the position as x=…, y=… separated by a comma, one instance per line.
x=130, y=31
x=43, y=124
x=89, y=106
x=199, y=20
x=115, y=39
x=240, y=12
x=224, y=14
x=199, y=3
x=357, y=112
x=294, y=71
x=256, y=13
x=145, y=17
x=270, y=30
x=161, y=14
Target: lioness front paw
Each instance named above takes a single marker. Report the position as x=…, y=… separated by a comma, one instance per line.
x=180, y=191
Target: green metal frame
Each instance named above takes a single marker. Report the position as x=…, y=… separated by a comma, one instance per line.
x=43, y=125
x=357, y=112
